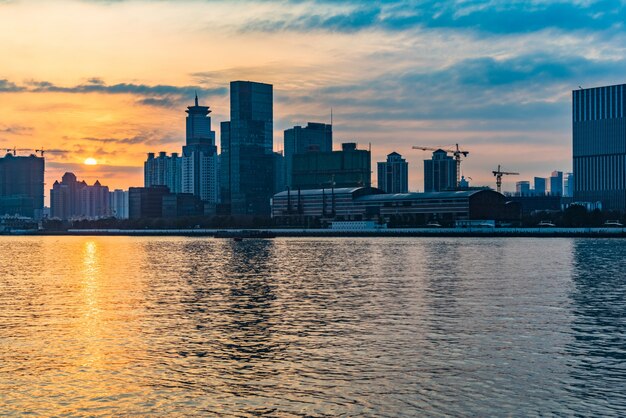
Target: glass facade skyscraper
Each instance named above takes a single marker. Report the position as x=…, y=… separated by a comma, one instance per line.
x=599, y=145
x=247, y=159
x=21, y=186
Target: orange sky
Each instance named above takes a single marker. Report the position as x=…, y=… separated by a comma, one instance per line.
x=110, y=80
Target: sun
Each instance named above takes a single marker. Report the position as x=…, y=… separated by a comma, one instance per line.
x=91, y=161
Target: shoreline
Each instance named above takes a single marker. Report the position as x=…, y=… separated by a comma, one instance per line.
x=370, y=233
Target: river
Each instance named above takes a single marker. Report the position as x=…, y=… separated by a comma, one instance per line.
x=98, y=326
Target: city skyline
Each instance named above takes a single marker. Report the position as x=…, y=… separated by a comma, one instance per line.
x=384, y=68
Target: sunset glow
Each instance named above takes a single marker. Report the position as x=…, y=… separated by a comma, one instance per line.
x=91, y=161
x=115, y=82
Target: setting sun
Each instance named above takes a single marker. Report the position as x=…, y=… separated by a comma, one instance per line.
x=91, y=161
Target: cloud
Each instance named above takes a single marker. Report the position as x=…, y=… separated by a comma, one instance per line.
x=501, y=17
x=147, y=138
x=7, y=86
x=16, y=130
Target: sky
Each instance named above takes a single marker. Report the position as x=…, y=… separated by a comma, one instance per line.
x=110, y=80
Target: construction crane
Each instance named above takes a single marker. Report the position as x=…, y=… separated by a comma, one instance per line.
x=457, y=153
x=499, y=173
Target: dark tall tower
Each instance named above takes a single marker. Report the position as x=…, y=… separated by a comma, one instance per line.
x=315, y=137
x=393, y=174
x=599, y=145
x=21, y=186
x=439, y=172
x=247, y=159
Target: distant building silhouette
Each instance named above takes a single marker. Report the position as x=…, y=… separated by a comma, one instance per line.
x=599, y=145
x=163, y=170
x=22, y=186
x=349, y=167
x=200, y=175
x=540, y=186
x=316, y=137
x=393, y=175
x=569, y=185
x=556, y=183
x=522, y=188
x=73, y=199
x=247, y=159
x=439, y=172
x=118, y=203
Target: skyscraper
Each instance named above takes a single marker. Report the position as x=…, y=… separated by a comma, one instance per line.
x=247, y=158
x=163, y=170
x=315, y=137
x=439, y=172
x=540, y=186
x=118, y=203
x=21, y=186
x=199, y=163
x=599, y=145
x=556, y=183
x=522, y=188
x=393, y=175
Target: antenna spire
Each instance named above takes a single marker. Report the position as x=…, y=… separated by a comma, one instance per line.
x=196, y=97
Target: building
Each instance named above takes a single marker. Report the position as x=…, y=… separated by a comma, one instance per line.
x=556, y=183
x=22, y=186
x=599, y=146
x=73, y=199
x=540, y=186
x=158, y=202
x=349, y=167
x=393, y=175
x=163, y=170
x=146, y=202
x=247, y=157
x=319, y=206
x=316, y=137
x=280, y=183
x=568, y=190
x=522, y=188
x=199, y=168
x=118, y=203
x=439, y=172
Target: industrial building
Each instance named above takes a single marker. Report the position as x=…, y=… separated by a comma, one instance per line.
x=309, y=207
x=350, y=167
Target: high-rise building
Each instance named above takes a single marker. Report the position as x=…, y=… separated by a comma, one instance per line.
x=599, y=145
x=439, y=172
x=118, y=203
x=146, y=202
x=540, y=186
x=247, y=158
x=21, y=186
x=349, y=167
x=556, y=183
x=315, y=137
x=522, y=188
x=199, y=167
x=73, y=199
x=163, y=170
x=569, y=185
x=393, y=175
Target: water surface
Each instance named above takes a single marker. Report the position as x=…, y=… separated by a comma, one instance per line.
x=312, y=327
